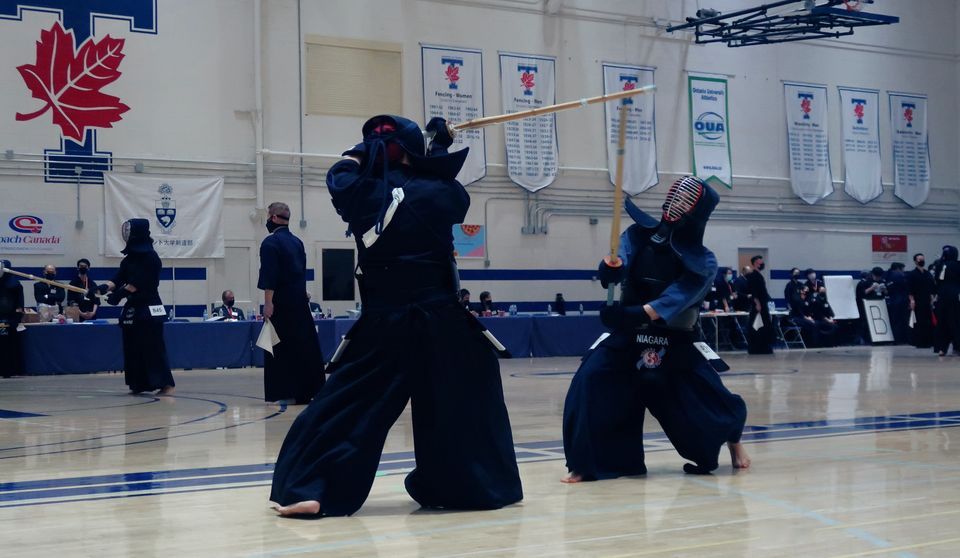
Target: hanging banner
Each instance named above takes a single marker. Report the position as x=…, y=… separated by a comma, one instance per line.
x=453, y=90
x=469, y=241
x=710, y=129
x=528, y=82
x=640, y=159
x=808, y=141
x=185, y=213
x=911, y=147
x=861, y=143
x=32, y=233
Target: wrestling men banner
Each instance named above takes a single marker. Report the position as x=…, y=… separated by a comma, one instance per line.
x=528, y=82
x=808, y=141
x=911, y=147
x=185, y=213
x=710, y=129
x=453, y=90
x=640, y=159
x=861, y=143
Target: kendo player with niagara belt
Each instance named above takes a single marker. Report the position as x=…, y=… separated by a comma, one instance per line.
x=413, y=341
x=145, y=363
x=649, y=360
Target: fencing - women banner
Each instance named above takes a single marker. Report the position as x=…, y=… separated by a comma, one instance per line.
x=528, y=82
x=861, y=143
x=911, y=147
x=640, y=157
x=808, y=141
x=453, y=90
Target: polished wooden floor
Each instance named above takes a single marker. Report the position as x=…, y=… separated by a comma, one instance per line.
x=855, y=454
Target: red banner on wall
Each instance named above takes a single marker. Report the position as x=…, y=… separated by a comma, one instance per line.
x=889, y=247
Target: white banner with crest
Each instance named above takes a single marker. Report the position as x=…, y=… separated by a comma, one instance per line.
x=911, y=147
x=861, y=143
x=808, y=141
x=528, y=82
x=640, y=159
x=185, y=213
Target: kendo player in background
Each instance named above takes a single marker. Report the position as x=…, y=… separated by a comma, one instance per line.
x=922, y=288
x=759, y=340
x=11, y=311
x=145, y=363
x=649, y=360
x=294, y=372
x=414, y=340
x=948, y=302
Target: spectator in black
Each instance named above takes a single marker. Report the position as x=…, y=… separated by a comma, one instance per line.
x=314, y=307
x=740, y=288
x=560, y=305
x=948, y=302
x=801, y=314
x=11, y=311
x=464, y=298
x=48, y=294
x=725, y=295
x=486, y=307
x=815, y=283
x=921, y=288
x=227, y=310
x=791, y=290
x=823, y=314
x=760, y=334
x=898, y=302
x=871, y=287
x=88, y=305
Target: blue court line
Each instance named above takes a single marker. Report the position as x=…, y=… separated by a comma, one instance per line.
x=5, y=414
x=144, y=483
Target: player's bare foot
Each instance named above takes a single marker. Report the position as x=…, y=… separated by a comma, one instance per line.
x=307, y=507
x=739, y=456
x=169, y=390
x=572, y=478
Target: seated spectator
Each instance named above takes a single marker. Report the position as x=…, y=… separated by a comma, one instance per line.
x=464, y=297
x=227, y=310
x=560, y=305
x=791, y=290
x=48, y=294
x=314, y=307
x=88, y=305
x=815, y=283
x=486, y=307
x=823, y=315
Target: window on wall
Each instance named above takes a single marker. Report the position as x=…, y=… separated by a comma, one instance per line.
x=352, y=78
x=337, y=273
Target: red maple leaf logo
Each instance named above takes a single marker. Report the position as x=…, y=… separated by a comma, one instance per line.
x=908, y=114
x=69, y=81
x=805, y=106
x=858, y=110
x=629, y=85
x=453, y=73
x=526, y=78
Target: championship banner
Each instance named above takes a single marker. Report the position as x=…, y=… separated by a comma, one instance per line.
x=808, y=141
x=911, y=147
x=710, y=129
x=32, y=233
x=184, y=213
x=640, y=160
x=453, y=90
x=861, y=143
x=528, y=82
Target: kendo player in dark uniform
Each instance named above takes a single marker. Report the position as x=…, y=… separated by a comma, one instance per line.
x=948, y=302
x=414, y=340
x=294, y=372
x=759, y=340
x=145, y=363
x=649, y=361
x=922, y=288
x=11, y=311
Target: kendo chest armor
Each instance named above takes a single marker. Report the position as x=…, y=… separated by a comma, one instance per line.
x=653, y=268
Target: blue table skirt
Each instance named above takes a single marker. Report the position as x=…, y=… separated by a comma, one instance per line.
x=86, y=348
x=564, y=335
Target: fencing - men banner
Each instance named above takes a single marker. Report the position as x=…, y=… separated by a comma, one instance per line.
x=640, y=159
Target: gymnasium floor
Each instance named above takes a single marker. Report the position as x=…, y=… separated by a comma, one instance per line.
x=855, y=454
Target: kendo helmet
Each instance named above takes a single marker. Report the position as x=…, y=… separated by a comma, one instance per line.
x=400, y=135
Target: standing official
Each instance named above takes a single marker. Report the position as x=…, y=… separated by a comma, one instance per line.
x=413, y=341
x=11, y=311
x=294, y=372
x=922, y=289
x=948, y=302
x=145, y=363
x=759, y=339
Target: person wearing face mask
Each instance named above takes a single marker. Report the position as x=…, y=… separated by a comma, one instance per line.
x=294, y=372
x=227, y=310
x=87, y=305
x=815, y=284
x=146, y=366
x=649, y=362
x=759, y=331
x=11, y=312
x=921, y=288
x=742, y=302
x=49, y=294
x=791, y=290
x=948, y=302
x=898, y=302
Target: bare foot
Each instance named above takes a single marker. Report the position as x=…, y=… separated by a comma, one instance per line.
x=572, y=478
x=738, y=456
x=167, y=390
x=307, y=507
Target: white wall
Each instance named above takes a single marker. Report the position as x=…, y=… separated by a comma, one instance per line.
x=189, y=88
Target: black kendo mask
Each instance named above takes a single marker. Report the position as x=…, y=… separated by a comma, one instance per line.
x=680, y=203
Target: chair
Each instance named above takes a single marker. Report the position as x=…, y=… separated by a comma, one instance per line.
x=790, y=335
